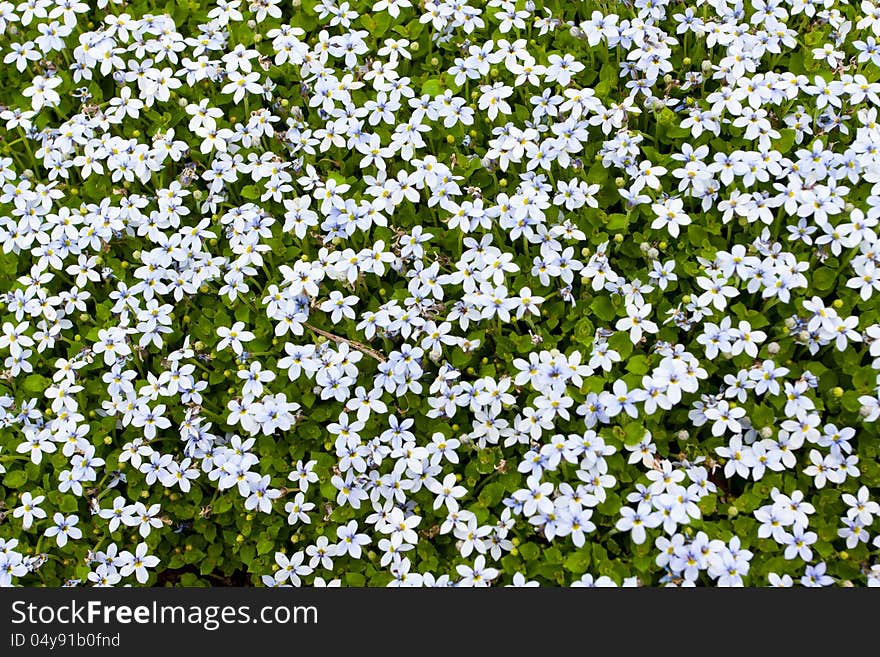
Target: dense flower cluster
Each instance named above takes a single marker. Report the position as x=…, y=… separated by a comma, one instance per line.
x=440, y=293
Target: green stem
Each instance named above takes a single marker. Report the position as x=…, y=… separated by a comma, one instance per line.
x=27, y=146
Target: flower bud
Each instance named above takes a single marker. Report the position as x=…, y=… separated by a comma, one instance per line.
x=766, y=432
x=683, y=435
x=773, y=348
x=837, y=392
x=653, y=253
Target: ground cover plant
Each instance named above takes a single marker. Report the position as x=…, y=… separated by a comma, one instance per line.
x=439, y=293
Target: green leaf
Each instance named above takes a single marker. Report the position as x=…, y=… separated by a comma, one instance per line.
x=578, y=561
x=251, y=192
x=491, y=494
x=35, y=383
x=637, y=364
x=584, y=331
x=355, y=579
x=15, y=479
x=603, y=308
x=785, y=141
x=616, y=222
x=697, y=234
x=633, y=433
x=824, y=279
x=432, y=87
x=529, y=551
